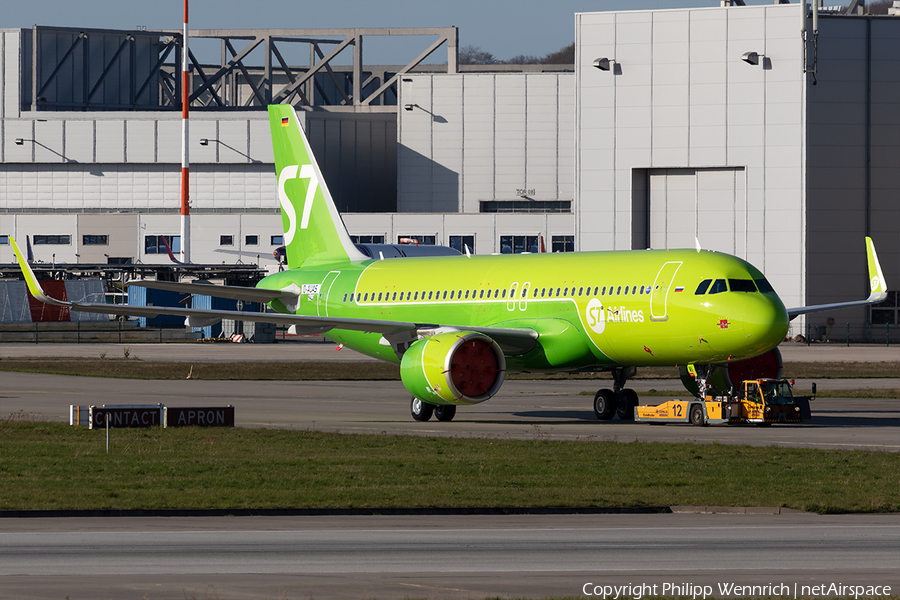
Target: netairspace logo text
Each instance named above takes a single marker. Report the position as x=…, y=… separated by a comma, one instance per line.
x=731, y=590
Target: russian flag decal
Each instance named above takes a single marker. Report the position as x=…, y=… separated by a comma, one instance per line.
x=680, y=288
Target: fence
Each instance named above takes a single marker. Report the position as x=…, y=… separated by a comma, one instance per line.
x=847, y=333
x=91, y=331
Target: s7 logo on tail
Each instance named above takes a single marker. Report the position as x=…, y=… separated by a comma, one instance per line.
x=290, y=172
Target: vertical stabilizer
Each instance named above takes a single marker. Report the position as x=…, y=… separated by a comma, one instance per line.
x=313, y=230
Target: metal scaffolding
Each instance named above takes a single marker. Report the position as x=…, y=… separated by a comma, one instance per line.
x=101, y=69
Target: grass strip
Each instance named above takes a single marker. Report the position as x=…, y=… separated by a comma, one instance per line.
x=54, y=466
x=362, y=370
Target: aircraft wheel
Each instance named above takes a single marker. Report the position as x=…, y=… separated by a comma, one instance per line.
x=625, y=409
x=421, y=411
x=445, y=412
x=697, y=415
x=605, y=404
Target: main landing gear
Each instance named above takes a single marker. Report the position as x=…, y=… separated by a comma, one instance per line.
x=619, y=400
x=422, y=411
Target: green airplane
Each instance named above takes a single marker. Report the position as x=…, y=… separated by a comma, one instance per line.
x=458, y=324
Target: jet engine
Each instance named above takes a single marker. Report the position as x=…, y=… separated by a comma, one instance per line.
x=457, y=367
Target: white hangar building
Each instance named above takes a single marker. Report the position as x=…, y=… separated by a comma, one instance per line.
x=725, y=124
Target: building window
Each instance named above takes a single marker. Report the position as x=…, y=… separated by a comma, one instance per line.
x=526, y=206
x=156, y=244
x=118, y=260
x=4, y=239
x=461, y=242
x=277, y=240
x=367, y=239
x=226, y=240
x=95, y=240
x=251, y=240
x=563, y=243
x=887, y=312
x=516, y=244
x=419, y=240
x=56, y=240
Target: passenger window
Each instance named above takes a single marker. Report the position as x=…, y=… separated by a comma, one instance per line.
x=452, y=292
x=416, y=297
x=504, y=294
x=535, y=293
x=626, y=290
x=496, y=293
x=543, y=292
x=603, y=291
x=718, y=287
x=366, y=297
x=430, y=294
x=489, y=294
x=379, y=296
x=445, y=295
x=481, y=294
x=633, y=289
x=619, y=291
x=580, y=290
x=467, y=294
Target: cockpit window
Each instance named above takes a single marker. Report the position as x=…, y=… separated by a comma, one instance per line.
x=718, y=287
x=741, y=285
x=764, y=286
x=701, y=289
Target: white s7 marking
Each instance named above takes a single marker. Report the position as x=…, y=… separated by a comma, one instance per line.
x=289, y=172
x=307, y=172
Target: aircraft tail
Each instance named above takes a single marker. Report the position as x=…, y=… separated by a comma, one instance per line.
x=313, y=230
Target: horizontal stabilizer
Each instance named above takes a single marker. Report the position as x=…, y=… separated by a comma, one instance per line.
x=233, y=292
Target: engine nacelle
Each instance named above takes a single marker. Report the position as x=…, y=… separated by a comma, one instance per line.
x=457, y=367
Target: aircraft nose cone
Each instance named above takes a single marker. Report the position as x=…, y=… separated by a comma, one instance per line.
x=765, y=321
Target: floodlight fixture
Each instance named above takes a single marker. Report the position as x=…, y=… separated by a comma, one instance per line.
x=602, y=64
x=751, y=58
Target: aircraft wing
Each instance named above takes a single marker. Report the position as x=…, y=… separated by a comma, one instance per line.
x=877, y=285
x=222, y=291
x=511, y=340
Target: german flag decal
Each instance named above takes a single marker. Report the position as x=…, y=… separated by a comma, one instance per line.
x=285, y=121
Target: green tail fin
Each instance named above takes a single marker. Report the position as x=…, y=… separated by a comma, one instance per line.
x=314, y=233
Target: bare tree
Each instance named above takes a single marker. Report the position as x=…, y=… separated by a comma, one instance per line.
x=474, y=55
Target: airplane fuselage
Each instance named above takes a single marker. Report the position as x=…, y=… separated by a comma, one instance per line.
x=590, y=309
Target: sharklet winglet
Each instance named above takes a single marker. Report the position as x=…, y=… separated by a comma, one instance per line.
x=31, y=280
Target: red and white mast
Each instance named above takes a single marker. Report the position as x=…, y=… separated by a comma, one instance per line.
x=185, y=163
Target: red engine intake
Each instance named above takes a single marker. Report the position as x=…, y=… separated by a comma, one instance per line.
x=474, y=367
x=764, y=366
